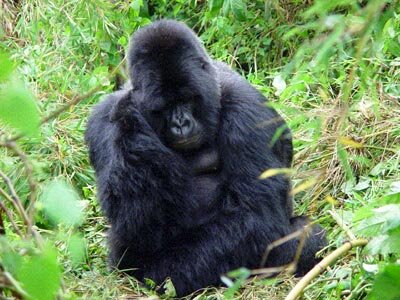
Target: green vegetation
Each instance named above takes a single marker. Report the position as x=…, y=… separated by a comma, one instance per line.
x=332, y=68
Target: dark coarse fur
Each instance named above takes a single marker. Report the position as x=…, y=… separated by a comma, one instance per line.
x=166, y=221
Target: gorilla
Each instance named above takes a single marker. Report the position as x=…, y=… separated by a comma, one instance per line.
x=178, y=154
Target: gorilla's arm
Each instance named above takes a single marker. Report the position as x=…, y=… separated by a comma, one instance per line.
x=137, y=175
x=207, y=161
x=245, y=140
x=247, y=129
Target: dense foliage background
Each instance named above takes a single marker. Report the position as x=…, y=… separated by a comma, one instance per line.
x=330, y=67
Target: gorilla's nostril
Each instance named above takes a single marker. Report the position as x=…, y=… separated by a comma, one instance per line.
x=182, y=128
x=185, y=123
x=176, y=130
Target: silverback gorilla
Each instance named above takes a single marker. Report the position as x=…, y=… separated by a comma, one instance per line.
x=178, y=154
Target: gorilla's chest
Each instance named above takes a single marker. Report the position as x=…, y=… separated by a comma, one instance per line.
x=202, y=197
x=203, y=189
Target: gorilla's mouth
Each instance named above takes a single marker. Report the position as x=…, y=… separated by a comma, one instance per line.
x=188, y=143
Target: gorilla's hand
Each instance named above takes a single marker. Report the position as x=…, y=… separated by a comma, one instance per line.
x=207, y=161
x=125, y=112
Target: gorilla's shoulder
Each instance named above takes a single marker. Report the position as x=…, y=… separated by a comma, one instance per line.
x=104, y=107
x=100, y=130
x=235, y=87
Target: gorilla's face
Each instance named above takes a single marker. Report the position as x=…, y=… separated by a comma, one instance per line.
x=184, y=119
x=176, y=84
x=183, y=127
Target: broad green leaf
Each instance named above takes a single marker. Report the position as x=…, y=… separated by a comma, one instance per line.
x=239, y=9
x=10, y=259
x=383, y=225
x=240, y=275
x=384, y=244
x=391, y=214
x=40, y=275
x=77, y=249
x=215, y=5
x=18, y=109
x=386, y=285
x=136, y=5
x=279, y=84
x=6, y=66
x=382, y=220
x=61, y=204
x=169, y=288
x=325, y=50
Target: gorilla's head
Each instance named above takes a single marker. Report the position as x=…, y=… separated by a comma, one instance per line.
x=175, y=83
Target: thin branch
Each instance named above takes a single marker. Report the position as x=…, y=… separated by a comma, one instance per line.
x=75, y=100
x=322, y=265
x=14, y=199
x=291, y=266
x=266, y=272
x=11, y=219
x=281, y=241
x=339, y=220
x=373, y=10
x=16, y=285
x=10, y=143
x=28, y=168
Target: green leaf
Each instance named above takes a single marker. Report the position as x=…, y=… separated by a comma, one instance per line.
x=18, y=109
x=384, y=244
x=6, y=66
x=136, y=5
x=40, y=275
x=239, y=9
x=77, y=249
x=240, y=275
x=382, y=220
x=325, y=51
x=386, y=285
x=169, y=288
x=10, y=259
x=61, y=204
x=215, y=5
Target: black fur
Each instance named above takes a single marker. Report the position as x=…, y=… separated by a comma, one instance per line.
x=166, y=220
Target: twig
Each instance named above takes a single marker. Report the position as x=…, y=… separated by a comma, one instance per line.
x=15, y=284
x=27, y=215
x=299, y=249
x=342, y=224
x=373, y=10
x=302, y=233
x=2, y=227
x=14, y=199
x=277, y=243
x=75, y=100
x=289, y=267
x=322, y=265
x=11, y=219
x=28, y=168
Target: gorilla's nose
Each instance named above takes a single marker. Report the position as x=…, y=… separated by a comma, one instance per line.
x=181, y=127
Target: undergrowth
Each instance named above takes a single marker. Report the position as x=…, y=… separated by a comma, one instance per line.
x=331, y=68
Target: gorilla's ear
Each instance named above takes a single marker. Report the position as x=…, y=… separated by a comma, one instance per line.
x=123, y=101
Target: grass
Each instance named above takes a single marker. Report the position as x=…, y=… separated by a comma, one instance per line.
x=346, y=130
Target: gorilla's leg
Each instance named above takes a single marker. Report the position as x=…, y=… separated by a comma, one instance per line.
x=314, y=242
x=285, y=253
